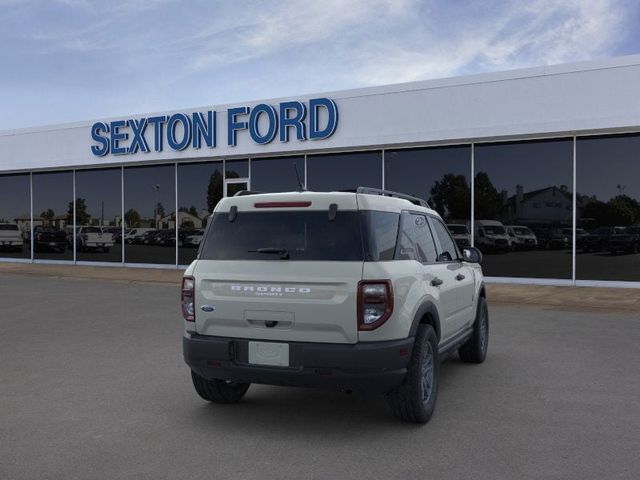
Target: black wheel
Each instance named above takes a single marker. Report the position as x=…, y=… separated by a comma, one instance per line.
x=474, y=350
x=415, y=400
x=219, y=391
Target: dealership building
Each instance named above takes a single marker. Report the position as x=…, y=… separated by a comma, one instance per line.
x=539, y=168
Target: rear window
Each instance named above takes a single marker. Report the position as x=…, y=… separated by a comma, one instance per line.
x=303, y=235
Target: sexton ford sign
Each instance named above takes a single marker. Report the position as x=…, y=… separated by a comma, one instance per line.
x=314, y=120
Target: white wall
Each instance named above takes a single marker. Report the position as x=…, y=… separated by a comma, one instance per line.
x=576, y=98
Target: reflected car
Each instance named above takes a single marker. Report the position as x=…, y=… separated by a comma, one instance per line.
x=628, y=241
x=598, y=240
x=164, y=238
x=492, y=236
x=93, y=239
x=194, y=238
x=522, y=238
x=550, y=239
x=10, y=237
x=135, y=235
x=49, y=239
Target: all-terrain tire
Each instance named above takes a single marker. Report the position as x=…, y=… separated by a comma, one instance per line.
x=415, y=400
x=219, y=391
x=474, y=350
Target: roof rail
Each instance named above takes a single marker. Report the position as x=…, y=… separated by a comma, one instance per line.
x=242, y=193
x=389, y=193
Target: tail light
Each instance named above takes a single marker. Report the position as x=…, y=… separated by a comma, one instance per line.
x=187, y=299
x=375, y=303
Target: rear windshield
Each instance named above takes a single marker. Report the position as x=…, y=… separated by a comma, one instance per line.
x=302, y=235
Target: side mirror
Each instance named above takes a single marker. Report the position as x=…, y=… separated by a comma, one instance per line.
x=471, y=255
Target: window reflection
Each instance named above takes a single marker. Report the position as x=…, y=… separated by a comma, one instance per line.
x=276, y=174
x=441, y=175
x=608, y=208
x=523, y=208
x=98, y=215
x=53, y=215
x=200, y=188
x=15, y=216
x=150, y=220
x=344, y=171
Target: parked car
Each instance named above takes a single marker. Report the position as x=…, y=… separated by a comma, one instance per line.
x=597, y=240
x=164, y=238
x=135, y=235
x=460, y=234
x=322, y=293
x=550, y=239
x=49, y=239
x=522, y=238
x=193, y=239
x=146, y=238
x=492, y=236
x=627, y=241
x=10, y=237
x=93, y=239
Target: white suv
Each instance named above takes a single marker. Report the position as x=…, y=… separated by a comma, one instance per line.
x=362, y=290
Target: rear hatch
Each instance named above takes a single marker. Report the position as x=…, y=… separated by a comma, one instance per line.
x=281, y=267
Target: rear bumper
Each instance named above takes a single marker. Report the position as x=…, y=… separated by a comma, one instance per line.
x=366, y=367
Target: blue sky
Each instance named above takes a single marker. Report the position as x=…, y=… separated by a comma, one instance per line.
x=72, y=60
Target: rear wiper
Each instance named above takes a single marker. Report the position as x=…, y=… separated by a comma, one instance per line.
x=283, y=252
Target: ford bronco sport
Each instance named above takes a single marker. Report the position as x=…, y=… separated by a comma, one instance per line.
x=363, y=290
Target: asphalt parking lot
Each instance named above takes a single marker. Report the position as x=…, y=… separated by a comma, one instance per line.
x=93, y=386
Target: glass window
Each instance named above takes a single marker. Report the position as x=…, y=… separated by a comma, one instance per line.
x=53, y=215
x=149, y=214
x=381, y=230
x=237, y=168
x=608, y=208
x=15, y=216
x=344, y=171
x=524, y=186
x=200, y=188
x=440, y=175
x=276, y=174
x=415, y=241
x=98, y=215
x=293, y=235
x=448, y=250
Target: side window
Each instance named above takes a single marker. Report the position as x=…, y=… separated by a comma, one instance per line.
x=449, y=252
x=415, y=241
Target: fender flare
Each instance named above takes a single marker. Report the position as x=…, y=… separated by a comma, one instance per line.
x=427, y=308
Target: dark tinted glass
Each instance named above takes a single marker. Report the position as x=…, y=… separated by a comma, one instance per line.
x=447, y=245
x=343, y=171
x=200, y=188
x=440, y=175
x=415, y=241
x=381, y=232
x=149, y=205
x=276, y=174
x=299, y=235
x=524, y=184
x=237, y=168
x=15, y=216
x=98, y=214
x=608, y=203
x=53, y=215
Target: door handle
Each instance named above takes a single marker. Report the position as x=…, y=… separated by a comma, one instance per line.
x=436, y=282
x=460, y=277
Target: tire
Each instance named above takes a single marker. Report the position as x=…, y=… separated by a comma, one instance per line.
x=219, y=391
x=474, y=350
x=415, y=400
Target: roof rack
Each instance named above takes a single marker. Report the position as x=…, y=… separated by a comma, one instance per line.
x=243, y=193
x=389, y=193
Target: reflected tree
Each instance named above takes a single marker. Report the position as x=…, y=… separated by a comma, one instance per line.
x=82, y=216
x=488, y=201
x=451, y=197
x=132, y=218
x=214, y=190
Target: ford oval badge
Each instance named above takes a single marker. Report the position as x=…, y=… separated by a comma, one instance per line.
x=207, y=308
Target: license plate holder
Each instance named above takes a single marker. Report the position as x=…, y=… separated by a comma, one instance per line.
x=269, y=353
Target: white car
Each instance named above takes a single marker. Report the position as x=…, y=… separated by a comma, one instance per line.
x=460, y=234
x=93, y=239
x=522, y=238
x=352, y=291
x=193, y=239
x=10, y=237
x=491, y=236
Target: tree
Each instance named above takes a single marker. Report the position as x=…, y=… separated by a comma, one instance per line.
x=193, y=210
x=48, y=215
x=188, y=225
x=488, y=201
x=159, y=210
x=214, y=190
x=451, y=197
x=82, y=216
x=132, y=218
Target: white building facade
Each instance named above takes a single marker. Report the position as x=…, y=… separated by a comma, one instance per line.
x=497, y=146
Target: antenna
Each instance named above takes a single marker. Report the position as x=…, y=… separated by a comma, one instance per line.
x=300, y=184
